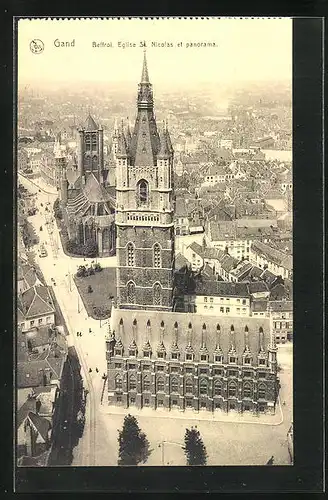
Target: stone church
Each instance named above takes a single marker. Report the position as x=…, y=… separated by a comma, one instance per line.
x=88, y=202
x=158, y=357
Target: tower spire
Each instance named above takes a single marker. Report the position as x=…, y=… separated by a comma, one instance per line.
x=145, y=75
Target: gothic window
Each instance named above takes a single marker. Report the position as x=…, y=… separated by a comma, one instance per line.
x=87, y=142
x=218, y=358
x=232, y=390
x=94, y=163
x=189, y=386
x=174, y=385
x=261, y=391
x=247, y=390
x=217, y=388
x=118, y=382
x=203, y=386
x=160, y=384
x=157, y=255
x=132, y=384
x=130, y=255
x=142, y=192
x=131, y=292
x=157, y=294
x=94, y=142
x=146, y=383
x=88, y=163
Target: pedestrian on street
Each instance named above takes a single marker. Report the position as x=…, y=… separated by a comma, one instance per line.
x=90, y=330
x=77, y=334
x=97, y=370
x=90, y=370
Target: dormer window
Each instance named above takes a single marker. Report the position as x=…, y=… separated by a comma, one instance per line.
x=160, y=354
x=218, y=358
x=203, y=357
x=247, y=360
x=132, y=352
x=262, y=361
x=146, y=354
x=118, y=352
x=189, y=357
x=232, y=359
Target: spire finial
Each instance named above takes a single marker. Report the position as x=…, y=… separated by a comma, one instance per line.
x=144, y=75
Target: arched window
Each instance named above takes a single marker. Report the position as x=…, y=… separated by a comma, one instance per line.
x=142, y=192
x=157, y=294
x=94, y=163
x=232, y=390
x=247, y=390
x=132, y=383
x=203, y=386
x=87, y=142
x=217, y=388
x=87, y=163
x=157, y=258
x=261, y=391
x=174, y=385
x=146, y=383
x=131, y=292
x=118, y=382
x=130, y=259
x=189, y=386
x=94, y=142
x=160, y=384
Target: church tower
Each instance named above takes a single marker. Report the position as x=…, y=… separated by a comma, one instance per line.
x=91, y=150
x=144, y=209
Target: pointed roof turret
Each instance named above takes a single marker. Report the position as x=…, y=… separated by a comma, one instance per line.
x=128, y=133
x=90, y=124
x=144, y=75
x=116, y=132
x=122, y=145
x=164, y=150
x=168, y=137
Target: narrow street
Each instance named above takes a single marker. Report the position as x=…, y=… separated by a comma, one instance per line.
x=59, y=268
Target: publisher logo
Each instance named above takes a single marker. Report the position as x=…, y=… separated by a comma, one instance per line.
x=37, y=46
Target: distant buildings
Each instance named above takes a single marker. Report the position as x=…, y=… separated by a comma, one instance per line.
x=266, y=257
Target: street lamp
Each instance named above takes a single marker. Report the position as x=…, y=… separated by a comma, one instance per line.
x=161, y=445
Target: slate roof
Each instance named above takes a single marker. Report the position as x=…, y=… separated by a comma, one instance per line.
x=90, y=124
x=180, y=262
x=94, y=191
x=29, y=374
x=222, y=230
x=39, y=336
x=273, y=255
x=228, y=262
x=257, y=286
x=281, y=305
x=269, y=277
x=221, y=289
x=213, y=253
x=198, y=249
x=41, y=424
x=36, y=301
x=183, y=335
x=259, y=306
x=23, y=411
x=180, y=208
x=242, y=269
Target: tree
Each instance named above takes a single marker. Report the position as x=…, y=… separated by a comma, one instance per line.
x=57, y=209
x=194, y=448
x=81, y=272
x=97, y=267
x=133, y=444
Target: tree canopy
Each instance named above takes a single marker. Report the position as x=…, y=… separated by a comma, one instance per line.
x=133, y=444
x=194, y=448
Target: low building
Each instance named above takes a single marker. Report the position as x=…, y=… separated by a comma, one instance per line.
x=194, y=253
x=35, y=307
x=191, y=362
x=219, y=298
x=33, y=431
x=266, y=257
x=181, y=217
x=282, y=318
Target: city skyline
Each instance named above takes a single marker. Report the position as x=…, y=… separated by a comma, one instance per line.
x=237, y=57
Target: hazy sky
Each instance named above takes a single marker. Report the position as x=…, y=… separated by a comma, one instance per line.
x=247, y=50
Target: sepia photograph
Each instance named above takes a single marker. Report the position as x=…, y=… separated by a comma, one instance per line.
x=154, y=281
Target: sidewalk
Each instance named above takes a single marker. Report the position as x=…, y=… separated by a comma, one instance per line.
x=217, y=416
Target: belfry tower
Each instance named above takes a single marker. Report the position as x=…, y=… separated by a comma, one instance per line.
x=91, y=150
x=144, y=209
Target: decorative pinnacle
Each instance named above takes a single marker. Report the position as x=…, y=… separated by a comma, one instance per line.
x=144, y=75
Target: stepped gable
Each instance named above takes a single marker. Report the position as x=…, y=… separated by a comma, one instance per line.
x=184, y=334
